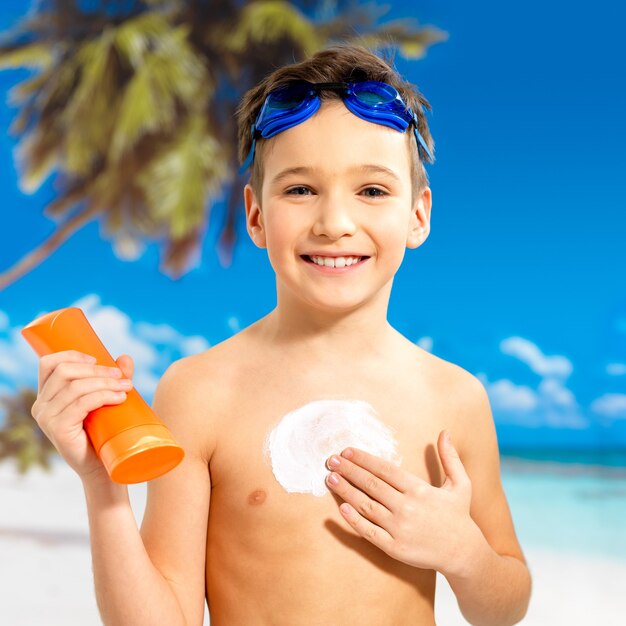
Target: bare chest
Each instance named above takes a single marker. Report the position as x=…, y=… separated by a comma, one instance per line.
x=278, y=419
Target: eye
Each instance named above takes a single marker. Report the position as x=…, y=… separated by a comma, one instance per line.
x=374, y=192
x=298, y=191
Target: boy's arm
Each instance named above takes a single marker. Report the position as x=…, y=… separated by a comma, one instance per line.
x=155, y=575
x=492, y=583
x=462, y=529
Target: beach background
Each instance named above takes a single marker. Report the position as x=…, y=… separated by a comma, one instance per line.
x=520, y=282
x=570, y=522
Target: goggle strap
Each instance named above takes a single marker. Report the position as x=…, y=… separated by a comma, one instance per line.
x=422, y=143
x=420, y=139
x=250, y=156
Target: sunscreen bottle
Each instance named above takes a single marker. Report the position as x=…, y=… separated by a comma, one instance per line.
x=129, y=439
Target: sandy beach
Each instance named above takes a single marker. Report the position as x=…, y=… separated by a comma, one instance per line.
x=46, y=578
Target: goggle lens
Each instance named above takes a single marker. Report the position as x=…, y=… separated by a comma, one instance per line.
x=374, y=94
x=287, y=97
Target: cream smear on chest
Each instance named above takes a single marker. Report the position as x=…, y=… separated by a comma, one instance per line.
x=299, y=445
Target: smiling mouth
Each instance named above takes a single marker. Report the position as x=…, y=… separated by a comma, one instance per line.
x=339, y=262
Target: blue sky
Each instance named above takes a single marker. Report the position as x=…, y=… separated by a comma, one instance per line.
x=521, y=281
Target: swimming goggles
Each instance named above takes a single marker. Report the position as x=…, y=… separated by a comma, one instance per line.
x=297, y=101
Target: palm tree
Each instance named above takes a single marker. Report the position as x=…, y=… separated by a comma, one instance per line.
x=20, y=437
x=129, y=105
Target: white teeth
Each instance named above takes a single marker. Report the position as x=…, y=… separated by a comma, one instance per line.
x=340, y=261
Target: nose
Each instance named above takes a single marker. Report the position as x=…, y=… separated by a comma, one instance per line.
x=333, y=218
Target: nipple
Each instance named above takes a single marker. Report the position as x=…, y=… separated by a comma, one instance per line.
x=257, y=497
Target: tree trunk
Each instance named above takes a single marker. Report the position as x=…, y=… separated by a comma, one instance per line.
x=33, y=258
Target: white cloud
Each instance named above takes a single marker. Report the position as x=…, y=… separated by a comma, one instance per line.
x=505, y=395
x=193, y=345
x=152, y=346
x=156, y=333
x=145, y=382
x=9, y=366
x=616, y=369
x=114, y=329
x=558, y=395
x=426, y=343
x=4, y=320
x=17, y=360
x=164, y=334
x=551, y=404
x=559, y=406
x=610, y=406
x=19, y=365
x=527, y=352
x=233, y=324
x=127, y=247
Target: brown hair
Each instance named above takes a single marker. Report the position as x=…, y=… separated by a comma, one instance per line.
x=337, y=63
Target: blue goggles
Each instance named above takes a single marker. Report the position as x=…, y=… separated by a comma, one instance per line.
x=370, y=100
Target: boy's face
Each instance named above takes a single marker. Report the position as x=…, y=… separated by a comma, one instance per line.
x=336, y=185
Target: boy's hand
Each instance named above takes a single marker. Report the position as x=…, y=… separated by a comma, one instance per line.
x=403, y=515
x=71, y=385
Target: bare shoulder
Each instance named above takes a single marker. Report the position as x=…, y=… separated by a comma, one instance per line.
x=451, y=384
x=468, y=399
x=471, y=424
x=464, y=402
x=194, y=393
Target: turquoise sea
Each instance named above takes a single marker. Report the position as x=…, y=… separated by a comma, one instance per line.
x=571, y=501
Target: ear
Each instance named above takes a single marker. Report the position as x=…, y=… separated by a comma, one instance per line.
x=254, y=217
x=419, y=223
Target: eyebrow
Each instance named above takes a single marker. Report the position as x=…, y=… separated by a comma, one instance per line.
x=378, y=169
x=370, y=168
x=288, y=172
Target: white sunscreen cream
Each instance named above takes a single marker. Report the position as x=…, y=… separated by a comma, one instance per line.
x=302, y=441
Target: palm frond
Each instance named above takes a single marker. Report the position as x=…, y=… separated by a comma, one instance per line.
x=178, y=181
x=32, y=55
x=37, y=157
x=28, y=89
x=182, y=254
x=89, y=114
x=134, y=37
x=169, y=75
x=412, y=40
x=269, y=21
x=20, y=437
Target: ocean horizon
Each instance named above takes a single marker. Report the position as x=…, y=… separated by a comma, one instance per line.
x=601, y=457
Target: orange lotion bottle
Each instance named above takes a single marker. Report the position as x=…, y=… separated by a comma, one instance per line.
x=129, y=439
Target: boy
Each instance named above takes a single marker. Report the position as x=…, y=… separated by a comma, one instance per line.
x=318, y=486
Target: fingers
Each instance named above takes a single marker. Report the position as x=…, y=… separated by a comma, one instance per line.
x=87, y=394
x=365, y=482
x=65, y=371
x=373, y=533
x=390, y=473
x=451, y=462
x=49, y=362
x=66, y=377
x=369, y=507
x=126, y=364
